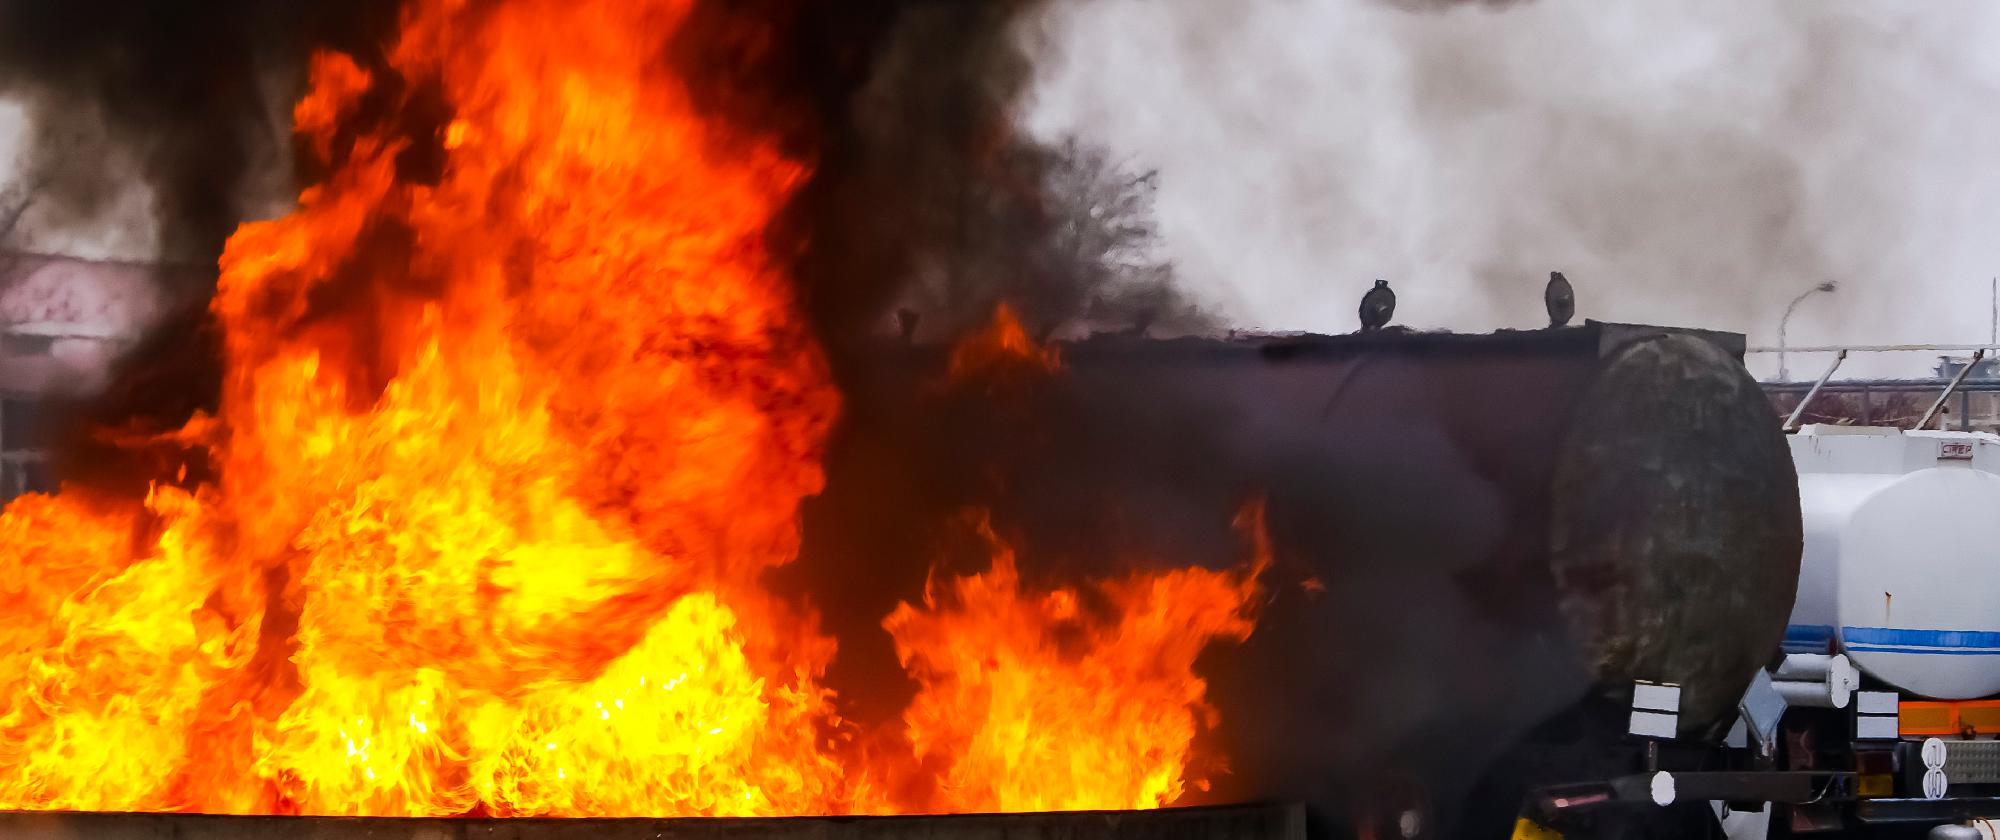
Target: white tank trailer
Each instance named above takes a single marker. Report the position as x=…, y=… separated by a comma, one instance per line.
x=1880, y=714
x=1899, y=574
x=1883, y=709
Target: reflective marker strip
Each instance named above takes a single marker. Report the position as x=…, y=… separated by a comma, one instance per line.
x=1929, y=717
x=1950, y=718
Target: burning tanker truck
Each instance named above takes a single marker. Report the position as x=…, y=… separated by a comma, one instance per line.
x=1531, y=582
x=1490, y=550
x=1539, y=582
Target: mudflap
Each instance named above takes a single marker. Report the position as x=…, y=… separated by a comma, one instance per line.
x=1527, y=829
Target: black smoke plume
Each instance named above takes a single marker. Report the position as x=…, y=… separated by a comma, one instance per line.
x=924, y=198
x=193, y=97
x=926, y=209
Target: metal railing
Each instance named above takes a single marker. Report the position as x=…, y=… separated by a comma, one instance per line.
x=1873, y=402
x=1877, y=348
x=1937, y=392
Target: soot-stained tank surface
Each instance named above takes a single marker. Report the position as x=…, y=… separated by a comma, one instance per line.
x=1674, y=527
x=1474, y=534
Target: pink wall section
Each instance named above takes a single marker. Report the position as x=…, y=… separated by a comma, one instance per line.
x=64, y=320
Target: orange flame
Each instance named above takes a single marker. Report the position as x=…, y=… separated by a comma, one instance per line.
x=1034, y=702
x=505, y=450
x=1002, y=346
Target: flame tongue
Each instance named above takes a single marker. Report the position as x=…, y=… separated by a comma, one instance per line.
x=505, y=447
x=1033, y=703
x=1002, y=350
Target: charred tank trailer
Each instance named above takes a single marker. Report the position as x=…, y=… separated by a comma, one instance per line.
x=1649, y=502
x=1882, y=708
x=1508, y=532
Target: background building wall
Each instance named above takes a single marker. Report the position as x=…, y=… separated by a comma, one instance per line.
x=64, y=322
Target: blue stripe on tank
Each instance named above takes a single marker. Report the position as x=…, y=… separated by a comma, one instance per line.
x=1906, y=640
x=1924, y=651
x=1808, y=638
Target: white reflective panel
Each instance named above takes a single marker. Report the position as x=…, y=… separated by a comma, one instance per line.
x=1875, y=727
x=1875, y=702
x=1656, y=697
x=1653, y=724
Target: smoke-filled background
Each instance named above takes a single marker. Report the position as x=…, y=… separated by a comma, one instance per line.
x=1697, y=163
x=142, y=130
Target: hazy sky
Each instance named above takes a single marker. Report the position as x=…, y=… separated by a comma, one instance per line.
x=1696, y=162
x=1693, y=162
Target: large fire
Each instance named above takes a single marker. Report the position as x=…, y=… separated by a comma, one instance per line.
x=504, y=450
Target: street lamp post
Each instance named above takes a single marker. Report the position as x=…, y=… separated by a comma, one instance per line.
x=1784, y=373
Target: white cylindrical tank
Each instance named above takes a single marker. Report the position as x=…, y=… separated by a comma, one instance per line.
x=1919, y=583
x=1904, y=570
x=1902, y=556
x=1826, y=502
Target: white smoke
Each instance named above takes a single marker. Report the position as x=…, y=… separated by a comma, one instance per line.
x=1695, y=163
x=116, y=224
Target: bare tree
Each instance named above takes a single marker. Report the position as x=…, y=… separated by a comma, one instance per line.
x=14, y=203
x=1065, y=233
x=1102, y=238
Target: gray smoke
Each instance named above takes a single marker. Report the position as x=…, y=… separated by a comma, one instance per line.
x=148, y=129
x=1696, y=163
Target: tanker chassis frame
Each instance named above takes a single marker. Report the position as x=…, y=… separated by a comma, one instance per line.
x=1795, y=770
